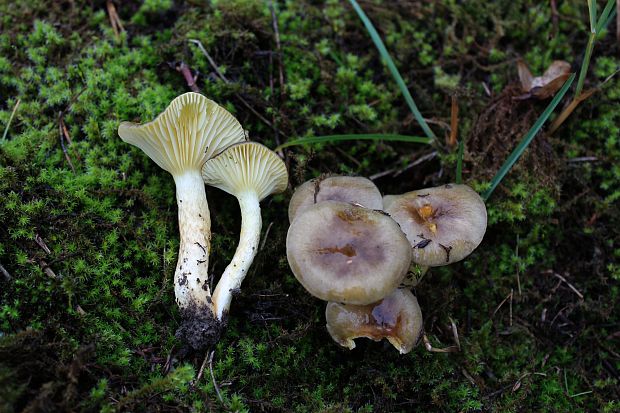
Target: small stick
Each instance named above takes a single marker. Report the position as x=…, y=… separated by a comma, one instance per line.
x=518, y=269
x=455, y=333
x=217, y=388
x=571, y=286
x=501, y=304
x=47, y=270
x=262, y=244
x=454, y=122
x=62, y=141
x=187, y=74
x=42, y=244
x=274, y=20
x=115, y=21
x=429, y=347
x=8, y=124
x=4, y=272
x=202, y=369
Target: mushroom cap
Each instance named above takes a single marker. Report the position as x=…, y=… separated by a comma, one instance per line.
x=191, y=130
x=397, y=317
x=246, y=166
x=443, y=224
x=353, y=189
x=348, y=254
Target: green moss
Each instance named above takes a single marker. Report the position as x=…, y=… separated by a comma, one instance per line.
x=108, y=216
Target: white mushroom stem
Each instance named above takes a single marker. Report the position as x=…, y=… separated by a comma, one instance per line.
x=244, y=255
x=191, y=278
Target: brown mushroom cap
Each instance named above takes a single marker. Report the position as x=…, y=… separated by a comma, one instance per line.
x=443, y=224
x=345, y=253
x=353, y=189
x=397, y=317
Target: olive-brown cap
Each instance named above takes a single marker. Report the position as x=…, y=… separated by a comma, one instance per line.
x=443, y=224
x=353, y=189
x=397, y=317
x=246, y=166
x=345, y=253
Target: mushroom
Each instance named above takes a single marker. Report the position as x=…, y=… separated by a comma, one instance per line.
x=443, y=224
x=397, y=317
x=352, y=189
x=345, y=253
x=250, y=172
x=191, y=130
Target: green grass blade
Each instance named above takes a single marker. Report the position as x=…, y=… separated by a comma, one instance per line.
x=393, y=69
x=518, y=151
x=603, y=19
x=354, y=137
x=459, y=162
x=592, y=13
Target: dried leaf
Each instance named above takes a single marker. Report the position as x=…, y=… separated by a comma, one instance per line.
x=545, y=86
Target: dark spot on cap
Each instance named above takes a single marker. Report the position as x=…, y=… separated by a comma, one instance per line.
x=347, y=250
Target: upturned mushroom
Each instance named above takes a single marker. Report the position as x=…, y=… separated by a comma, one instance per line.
x=180, y=140
x=345, y=253
x=397, y=318
x=250, y=172
x=443, y=224
x=353, y=189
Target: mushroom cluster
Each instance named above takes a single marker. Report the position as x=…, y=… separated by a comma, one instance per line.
x=199, y=142
x=362, y=253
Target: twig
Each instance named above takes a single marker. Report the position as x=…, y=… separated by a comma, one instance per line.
x=8, y=124
x=42, y=244
x=187, y=74
x=237, y=95
x=262, y=244
x=4, y=272
x=502, y=303
x=454, y=122
x=569, y=109
x=202, y=369
x=115, y=21
x=568, y=392
x=276, y=32
x=429, y=347
x=47, y=270
x=398, y=171
x=583, y=158
x=455, y=333
x=571, y=286
x=518, y=268
x=61, y=129
x=217, y=388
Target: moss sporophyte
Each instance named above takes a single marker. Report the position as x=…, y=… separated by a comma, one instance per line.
x=181, y=140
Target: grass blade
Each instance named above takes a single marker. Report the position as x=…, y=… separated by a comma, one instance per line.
x=518, y=151
x=459, y=162
x=603, y=19
x=354, y=137
x=592, y=13
x=393, y=69
x=8, y=124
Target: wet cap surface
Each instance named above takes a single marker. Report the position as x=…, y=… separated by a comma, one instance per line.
x=443, y=224
x=344, y=253
x=353, y=189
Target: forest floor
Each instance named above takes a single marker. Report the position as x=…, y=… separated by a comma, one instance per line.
x=89, y=233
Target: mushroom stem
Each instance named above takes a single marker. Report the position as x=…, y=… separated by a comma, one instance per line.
x=191, y=278
x=244, y=255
